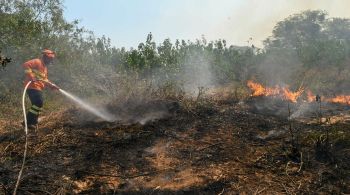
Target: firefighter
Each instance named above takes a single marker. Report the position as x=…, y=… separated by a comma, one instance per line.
x=36, y=71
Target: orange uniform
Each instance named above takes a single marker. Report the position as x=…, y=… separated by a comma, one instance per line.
x=35, y=69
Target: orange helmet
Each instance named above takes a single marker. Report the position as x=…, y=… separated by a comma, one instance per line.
x=48, y=53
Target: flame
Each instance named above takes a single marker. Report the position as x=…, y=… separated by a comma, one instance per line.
x=259, y=90
x=285, y=93
x=342, y=99
x=292, y=96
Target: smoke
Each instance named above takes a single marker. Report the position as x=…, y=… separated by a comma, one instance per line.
x=142, y=111
x=234, y=21
x=271, y=134
x=303, y=109
x=197, y=72
x=279, y=68
x=251, y=18
x=137, y=98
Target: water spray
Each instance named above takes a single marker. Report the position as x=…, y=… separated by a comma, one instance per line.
x=102, y=115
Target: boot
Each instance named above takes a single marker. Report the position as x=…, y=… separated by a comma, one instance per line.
x=30, y=126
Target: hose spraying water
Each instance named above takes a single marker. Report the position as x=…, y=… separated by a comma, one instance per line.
x=103, y=115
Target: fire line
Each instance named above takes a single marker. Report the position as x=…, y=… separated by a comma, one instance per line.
x=286, y=94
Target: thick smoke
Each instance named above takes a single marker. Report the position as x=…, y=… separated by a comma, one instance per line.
x=303, y=109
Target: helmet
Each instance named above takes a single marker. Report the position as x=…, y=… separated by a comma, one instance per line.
x=48, y=53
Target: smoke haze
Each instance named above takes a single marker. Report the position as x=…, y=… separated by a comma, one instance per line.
x=197, y=72
x=256, y=19
x=235, y=21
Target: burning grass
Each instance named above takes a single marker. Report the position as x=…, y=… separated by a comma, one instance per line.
x=283, y=92
x=293, y=96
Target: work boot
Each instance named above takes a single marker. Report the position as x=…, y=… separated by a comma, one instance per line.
x=32, y=131
x=33, y=127
x=30, y=126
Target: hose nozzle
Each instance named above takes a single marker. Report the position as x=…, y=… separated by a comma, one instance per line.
x=53, y=86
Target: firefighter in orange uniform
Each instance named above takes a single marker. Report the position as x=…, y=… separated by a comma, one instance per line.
x=36, y=71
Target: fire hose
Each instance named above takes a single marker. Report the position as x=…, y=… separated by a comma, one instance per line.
x=26, y=134
x=91, y=109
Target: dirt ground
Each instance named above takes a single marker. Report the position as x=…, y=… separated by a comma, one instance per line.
x=222, y=147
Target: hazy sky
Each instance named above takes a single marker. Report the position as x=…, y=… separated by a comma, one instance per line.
x=127, y=22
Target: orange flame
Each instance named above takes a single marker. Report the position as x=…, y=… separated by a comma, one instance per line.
x=283, y=92
x=341, y=99
x=259, y=90
x=292, y=96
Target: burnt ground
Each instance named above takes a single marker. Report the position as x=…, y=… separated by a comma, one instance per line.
x=214, y=147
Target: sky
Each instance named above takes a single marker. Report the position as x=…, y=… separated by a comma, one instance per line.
x=127, y=22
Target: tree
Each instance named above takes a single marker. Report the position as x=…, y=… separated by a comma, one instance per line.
x=297, y=30
x=319, y=43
